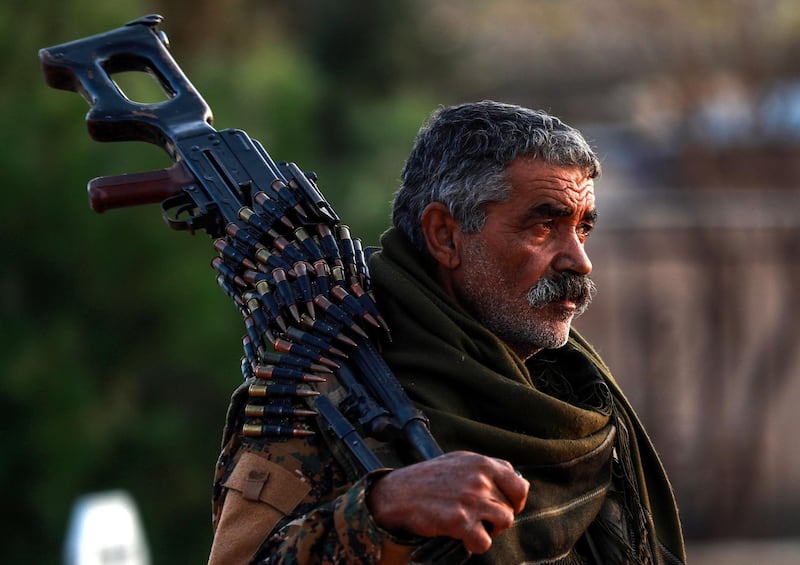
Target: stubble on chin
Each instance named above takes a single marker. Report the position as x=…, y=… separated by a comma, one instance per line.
x=553, y=333
x=524, y=328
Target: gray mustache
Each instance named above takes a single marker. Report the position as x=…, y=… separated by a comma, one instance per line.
x=579, y=289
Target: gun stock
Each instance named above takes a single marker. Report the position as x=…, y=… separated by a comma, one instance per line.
x=87, y=66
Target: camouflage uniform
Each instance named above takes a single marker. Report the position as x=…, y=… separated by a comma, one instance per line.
x=311, y=501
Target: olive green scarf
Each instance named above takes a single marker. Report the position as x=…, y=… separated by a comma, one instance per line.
x=556, y=417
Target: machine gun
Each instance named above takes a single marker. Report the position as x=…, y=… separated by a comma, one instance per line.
x=292, y=268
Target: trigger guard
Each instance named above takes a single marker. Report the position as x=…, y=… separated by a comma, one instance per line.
x=176, y=206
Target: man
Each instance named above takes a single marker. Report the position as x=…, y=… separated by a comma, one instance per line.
x=480, y=280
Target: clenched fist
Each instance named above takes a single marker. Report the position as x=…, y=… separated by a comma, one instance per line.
x=461, y=495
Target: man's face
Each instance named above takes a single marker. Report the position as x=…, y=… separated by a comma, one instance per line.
x=535, y=236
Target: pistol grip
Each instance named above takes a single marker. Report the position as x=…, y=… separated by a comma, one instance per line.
x=119, y=191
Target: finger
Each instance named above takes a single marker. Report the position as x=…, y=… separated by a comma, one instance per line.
x=514, y=488
x=476, y=539
x=497, y=517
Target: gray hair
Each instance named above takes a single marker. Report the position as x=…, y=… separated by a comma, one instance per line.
x=460, y=158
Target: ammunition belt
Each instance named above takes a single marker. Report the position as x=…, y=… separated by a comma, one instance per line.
x=301, y=283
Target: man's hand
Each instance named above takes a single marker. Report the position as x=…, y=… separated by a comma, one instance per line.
x=461, y=495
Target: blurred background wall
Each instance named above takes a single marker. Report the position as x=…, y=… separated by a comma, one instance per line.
x=119, y=351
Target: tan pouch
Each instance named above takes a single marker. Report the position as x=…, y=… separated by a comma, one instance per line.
x=260, y=493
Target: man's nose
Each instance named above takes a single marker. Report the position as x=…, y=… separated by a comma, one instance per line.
x=572, y=257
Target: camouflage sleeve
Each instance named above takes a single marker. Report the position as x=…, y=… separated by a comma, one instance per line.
x=291, y=502
x=295, y=500
x=339, y=531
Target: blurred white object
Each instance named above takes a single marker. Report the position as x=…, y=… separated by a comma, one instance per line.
x=105, y=530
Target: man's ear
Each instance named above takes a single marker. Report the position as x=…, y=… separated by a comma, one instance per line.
x=442, y=234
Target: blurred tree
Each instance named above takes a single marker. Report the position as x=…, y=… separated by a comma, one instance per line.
x=91, y=378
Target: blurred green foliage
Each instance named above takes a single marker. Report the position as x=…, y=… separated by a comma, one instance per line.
x=119, y=351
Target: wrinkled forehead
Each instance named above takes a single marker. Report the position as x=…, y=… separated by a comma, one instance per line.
x=570, y=186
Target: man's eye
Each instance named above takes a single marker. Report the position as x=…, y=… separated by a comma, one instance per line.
x=585, y=229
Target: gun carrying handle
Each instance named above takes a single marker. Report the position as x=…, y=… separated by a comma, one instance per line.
x=120, y=191
x=86, y=66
